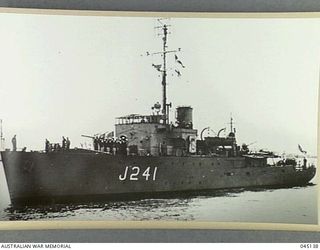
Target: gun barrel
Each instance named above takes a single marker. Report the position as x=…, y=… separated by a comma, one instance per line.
x=88, y=136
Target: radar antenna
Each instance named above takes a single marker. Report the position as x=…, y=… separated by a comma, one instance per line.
x=163, y=67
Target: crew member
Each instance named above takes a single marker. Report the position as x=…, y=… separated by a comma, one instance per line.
x=304, y=163
x=100, y=143
x=68, y=143
x=106, y=145
x=47, y=146
x=14, y=143
x=95, y=143
x=113, y=146
x=64, y=142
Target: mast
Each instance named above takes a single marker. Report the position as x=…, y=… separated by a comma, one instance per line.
x=163, y=68
x=164, y=74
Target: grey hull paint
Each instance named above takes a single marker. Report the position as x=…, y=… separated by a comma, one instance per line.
x=70, y=176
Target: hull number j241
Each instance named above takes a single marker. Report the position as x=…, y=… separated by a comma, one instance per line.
x=135, y=173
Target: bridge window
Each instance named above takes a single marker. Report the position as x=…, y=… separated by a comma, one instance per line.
x=138, y=119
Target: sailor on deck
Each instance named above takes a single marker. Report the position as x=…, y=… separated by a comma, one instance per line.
x=304, y=163
x=68, y=143
x=47, y=146
x=95, y=142
x=14, y=143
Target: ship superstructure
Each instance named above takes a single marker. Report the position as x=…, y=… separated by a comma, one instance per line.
x=154, y=134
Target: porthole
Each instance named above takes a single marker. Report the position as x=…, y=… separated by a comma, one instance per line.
x=229, y=173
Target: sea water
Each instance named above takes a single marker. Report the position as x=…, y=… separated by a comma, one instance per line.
x=285, y=205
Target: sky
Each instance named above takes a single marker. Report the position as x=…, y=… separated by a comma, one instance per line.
x=73, y=75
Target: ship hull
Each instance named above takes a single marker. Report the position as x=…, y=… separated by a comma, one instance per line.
x=72, y=176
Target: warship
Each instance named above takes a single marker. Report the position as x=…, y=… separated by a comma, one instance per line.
x=147, y=156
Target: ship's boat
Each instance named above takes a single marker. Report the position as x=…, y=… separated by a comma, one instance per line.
x=147, y=156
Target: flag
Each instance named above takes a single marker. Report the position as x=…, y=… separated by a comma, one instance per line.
x=178, y=61
x=157, y=66
x=178, y=72
x=301, y=150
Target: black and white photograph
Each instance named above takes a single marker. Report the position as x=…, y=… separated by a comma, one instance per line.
x=159, y=118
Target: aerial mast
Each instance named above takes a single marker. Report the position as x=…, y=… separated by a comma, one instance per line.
x=164, y=74
x=232, y=128
x=163, y=67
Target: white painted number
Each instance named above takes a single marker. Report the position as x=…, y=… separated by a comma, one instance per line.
x=154, y=173
x=133, y=173
x=146, y=173
x=133, y=176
